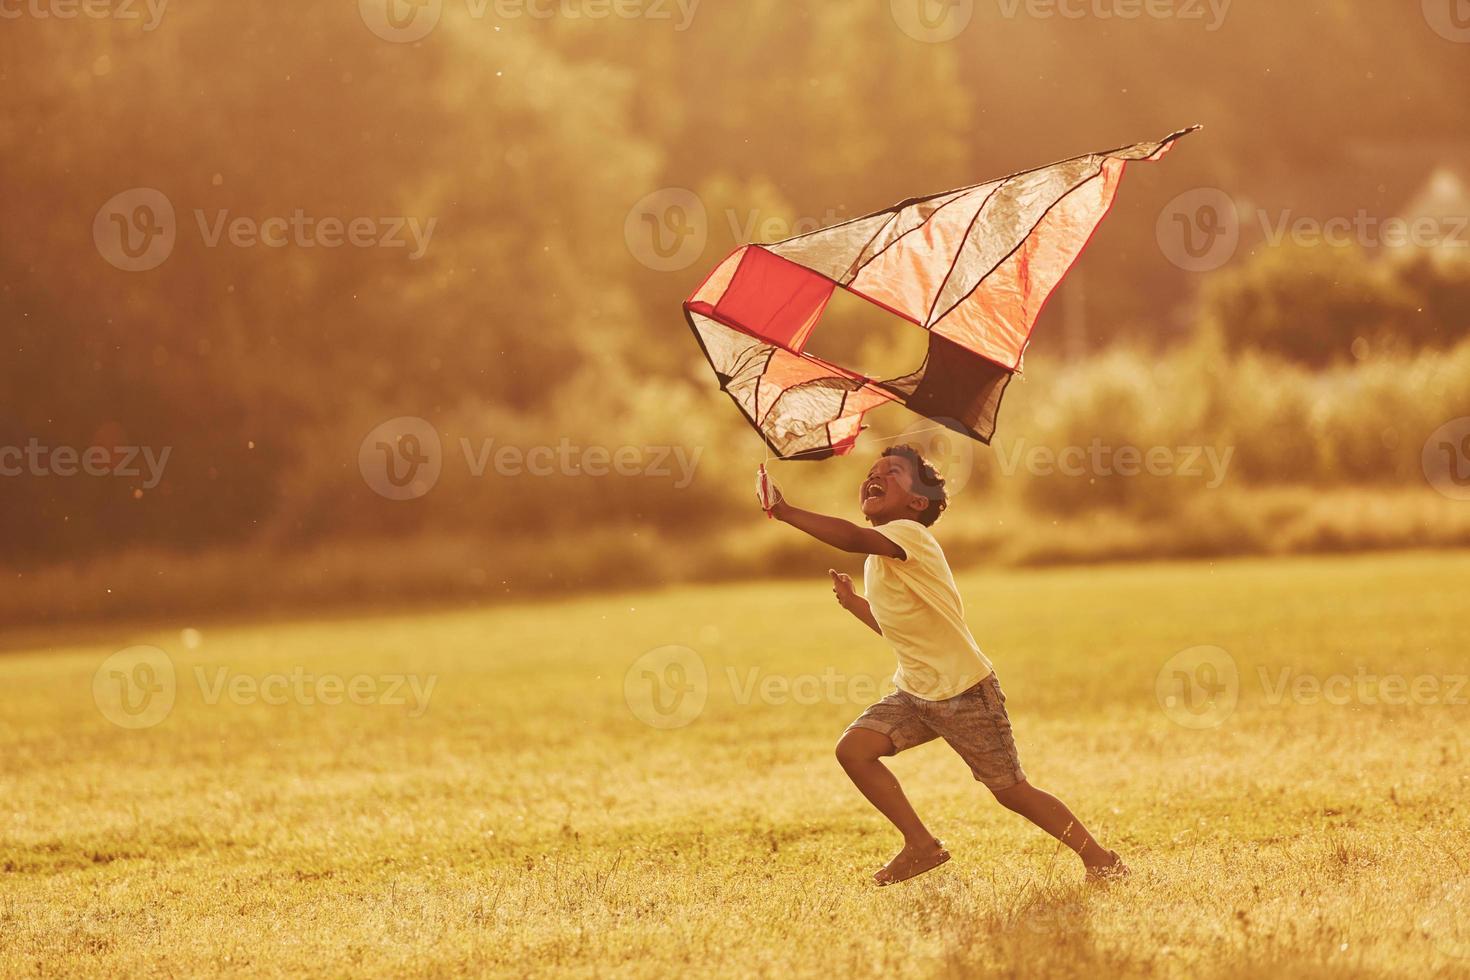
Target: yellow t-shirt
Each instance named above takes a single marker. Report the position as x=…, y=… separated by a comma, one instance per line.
x=915, y=601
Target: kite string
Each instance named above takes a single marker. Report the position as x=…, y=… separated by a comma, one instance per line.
x=906, y=434
x=765, y=466
x=913, y=432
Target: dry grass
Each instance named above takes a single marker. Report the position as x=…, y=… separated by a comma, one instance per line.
x=529, y=823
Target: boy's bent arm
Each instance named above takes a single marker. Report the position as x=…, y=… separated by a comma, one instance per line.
x=848, y=598
x=864, y=612
x=843, y=535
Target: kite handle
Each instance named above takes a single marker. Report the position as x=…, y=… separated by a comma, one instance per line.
x=763, y=490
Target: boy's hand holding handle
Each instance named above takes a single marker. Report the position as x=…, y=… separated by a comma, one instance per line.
x=767, y=492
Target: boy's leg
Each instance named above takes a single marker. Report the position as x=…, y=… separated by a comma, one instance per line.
x=1053, y=816
x=860, y=751
x=977, y=726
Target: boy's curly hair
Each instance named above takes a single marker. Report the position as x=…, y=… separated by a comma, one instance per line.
x=929, y=482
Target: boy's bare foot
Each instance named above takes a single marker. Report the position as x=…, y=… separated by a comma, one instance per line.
x=911, y=862
x=1114, y=870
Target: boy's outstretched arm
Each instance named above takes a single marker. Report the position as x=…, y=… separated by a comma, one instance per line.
x=840, y=534
x=848, y=599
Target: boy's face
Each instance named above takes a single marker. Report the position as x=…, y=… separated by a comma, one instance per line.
x=887, y=494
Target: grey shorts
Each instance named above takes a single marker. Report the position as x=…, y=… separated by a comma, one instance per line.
x=975, y=725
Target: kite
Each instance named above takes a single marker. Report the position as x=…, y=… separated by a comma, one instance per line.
x=972, y=266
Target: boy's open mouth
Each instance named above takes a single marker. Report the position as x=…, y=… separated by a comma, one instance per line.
x=873, y=490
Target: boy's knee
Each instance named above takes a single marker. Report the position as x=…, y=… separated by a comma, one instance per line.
x=1012, y=796
x=860, y=745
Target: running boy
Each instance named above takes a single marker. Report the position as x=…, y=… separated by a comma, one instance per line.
x=946, y=687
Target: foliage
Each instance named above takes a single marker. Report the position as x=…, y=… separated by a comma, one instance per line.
x=1326, y=305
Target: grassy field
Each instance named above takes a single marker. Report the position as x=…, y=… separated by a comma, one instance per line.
x=546, y=788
